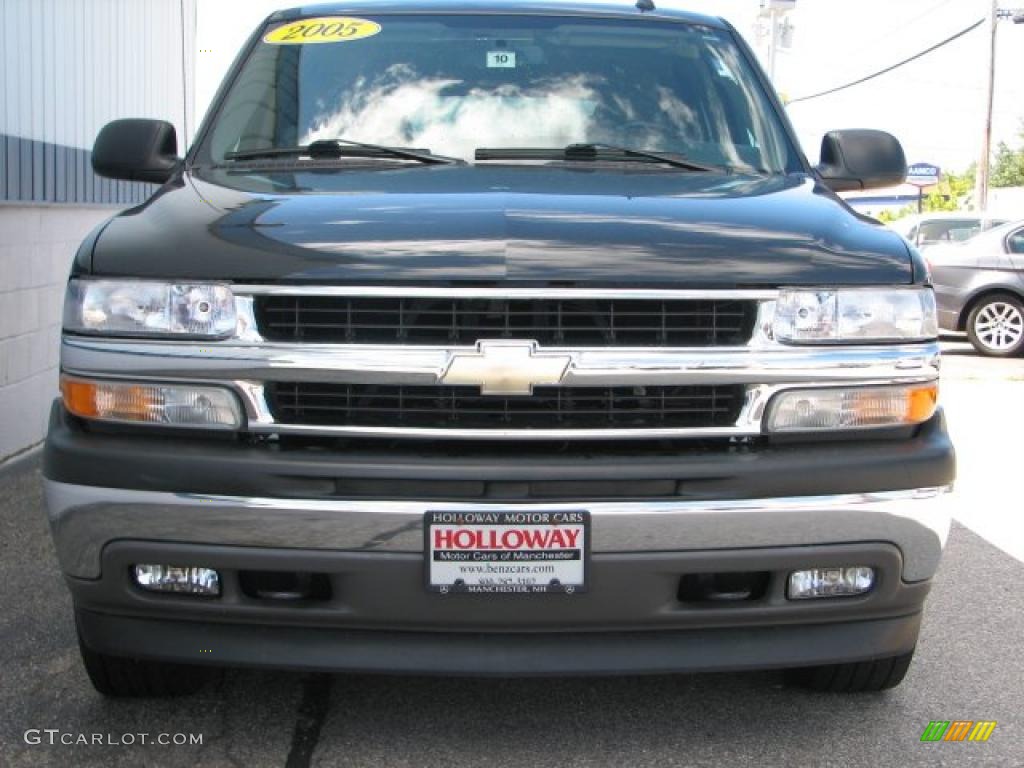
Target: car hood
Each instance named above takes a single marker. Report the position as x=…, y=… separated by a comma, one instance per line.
x=533, y=224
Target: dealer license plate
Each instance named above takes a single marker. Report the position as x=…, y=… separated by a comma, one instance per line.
x=507, y=552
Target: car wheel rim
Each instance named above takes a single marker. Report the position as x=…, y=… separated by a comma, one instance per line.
x=999, y=326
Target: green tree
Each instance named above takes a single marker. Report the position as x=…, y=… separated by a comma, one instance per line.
x=1008, y=165
x=888, y=217
x=950, y=192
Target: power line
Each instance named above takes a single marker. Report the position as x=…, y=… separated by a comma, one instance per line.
x=881, y=72
x=905, y=25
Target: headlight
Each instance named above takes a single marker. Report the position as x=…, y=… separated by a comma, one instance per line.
x=808, y=316
x=166, y=405
x=143, y=308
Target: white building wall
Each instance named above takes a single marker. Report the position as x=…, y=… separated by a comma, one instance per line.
x=36, y=246
x=1006, y=202
x=68, y=68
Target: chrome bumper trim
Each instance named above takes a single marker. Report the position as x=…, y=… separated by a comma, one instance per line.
x=245, y=367
x=85, y=518
x=393, y=364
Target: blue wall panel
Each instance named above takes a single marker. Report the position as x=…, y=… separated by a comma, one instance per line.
x=69, y=67
x=37, y=171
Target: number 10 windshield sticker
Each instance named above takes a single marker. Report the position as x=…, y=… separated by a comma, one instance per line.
x=325, y=29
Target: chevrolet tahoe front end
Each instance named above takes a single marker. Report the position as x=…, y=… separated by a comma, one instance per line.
x=511, y=408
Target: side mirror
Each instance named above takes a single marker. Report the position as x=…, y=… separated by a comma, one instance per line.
x=136, y=150
x=861, y=159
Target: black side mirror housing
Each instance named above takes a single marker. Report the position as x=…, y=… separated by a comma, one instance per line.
x=136, y=150
x=861, y=159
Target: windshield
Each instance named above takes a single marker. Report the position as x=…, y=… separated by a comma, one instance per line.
x=455, y=84
x=948, y=230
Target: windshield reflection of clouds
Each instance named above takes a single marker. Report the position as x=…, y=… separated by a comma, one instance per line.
x=402, y=109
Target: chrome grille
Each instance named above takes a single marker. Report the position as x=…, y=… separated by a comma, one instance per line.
x=446, y=407
x=566, y=322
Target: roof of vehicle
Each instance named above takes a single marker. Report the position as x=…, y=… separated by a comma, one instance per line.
x=989, y=241
x=999, y=232
x=593, y=8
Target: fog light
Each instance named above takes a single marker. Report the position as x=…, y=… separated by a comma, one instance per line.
x=830, y=582
x=166, y=405
x=178, y=579
x=813, y=410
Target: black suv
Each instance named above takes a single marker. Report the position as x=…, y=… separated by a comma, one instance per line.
x=503, y=339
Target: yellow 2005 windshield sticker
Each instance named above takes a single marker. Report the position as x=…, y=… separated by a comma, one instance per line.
x=326, y=29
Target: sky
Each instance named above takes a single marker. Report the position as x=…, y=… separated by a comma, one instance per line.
x=933, y=105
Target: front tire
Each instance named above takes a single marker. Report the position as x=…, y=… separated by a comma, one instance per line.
x=118, y=677
x=855, y=677
x=996, y=325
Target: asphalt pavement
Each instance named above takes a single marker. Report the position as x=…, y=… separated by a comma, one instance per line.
x=969, y=666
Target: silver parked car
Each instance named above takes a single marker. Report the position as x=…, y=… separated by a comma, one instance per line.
x=979, y=286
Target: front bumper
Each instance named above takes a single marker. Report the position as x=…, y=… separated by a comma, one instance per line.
x=85, y=519
x=115, y=500
x=490, y=654
x=378, y=618
x=104, y=488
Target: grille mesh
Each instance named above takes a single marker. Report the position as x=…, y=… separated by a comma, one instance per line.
x=562, y=322
x=371, y=405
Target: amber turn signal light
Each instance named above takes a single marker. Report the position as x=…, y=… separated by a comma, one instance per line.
x=828, y=408
x=168, y=405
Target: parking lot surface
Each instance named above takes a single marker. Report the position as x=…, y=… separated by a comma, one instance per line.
x=969, y=666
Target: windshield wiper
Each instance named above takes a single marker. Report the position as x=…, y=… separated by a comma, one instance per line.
x=327, y=148
x=592, y=151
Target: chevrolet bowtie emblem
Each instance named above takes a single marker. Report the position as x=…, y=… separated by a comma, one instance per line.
x=505, y=367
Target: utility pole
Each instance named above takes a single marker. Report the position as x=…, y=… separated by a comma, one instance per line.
x=773, y=40
x=779, y=29
x=981, y=186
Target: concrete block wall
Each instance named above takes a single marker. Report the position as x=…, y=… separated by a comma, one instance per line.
x=37, y=244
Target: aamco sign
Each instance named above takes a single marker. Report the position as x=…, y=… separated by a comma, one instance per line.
x=923, y=174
